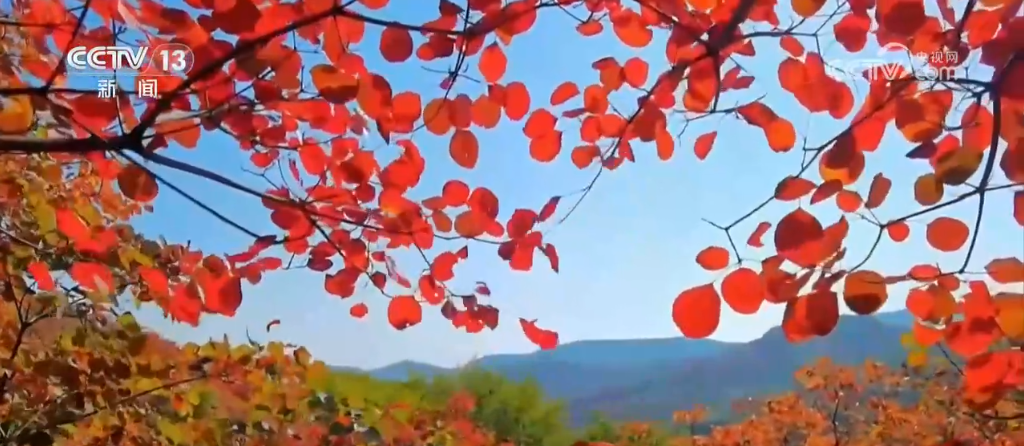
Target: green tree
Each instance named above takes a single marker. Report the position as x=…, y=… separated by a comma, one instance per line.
x=600, y=428
x=514, y=411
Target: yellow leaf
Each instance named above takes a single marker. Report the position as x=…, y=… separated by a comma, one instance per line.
x=46, y=217
x=917, y=358
x=908, y=341
x=88, y=213
x=317, y=376
x=194, y=396
x=128, y=322
x=302, y=356
x=169, y=429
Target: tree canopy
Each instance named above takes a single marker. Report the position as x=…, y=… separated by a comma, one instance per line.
x=288, y=83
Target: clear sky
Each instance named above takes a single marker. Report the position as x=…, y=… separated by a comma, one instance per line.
x=626, y=252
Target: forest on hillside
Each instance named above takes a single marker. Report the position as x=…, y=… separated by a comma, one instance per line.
x=96, y=381
x=397, y=153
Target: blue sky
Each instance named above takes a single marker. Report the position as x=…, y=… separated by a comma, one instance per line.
x=626, y=252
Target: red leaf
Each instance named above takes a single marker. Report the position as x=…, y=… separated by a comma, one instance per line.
x=704, y=145
x=545, y=339
x=549, y=209
x=92, y=276
x=482, y=289
x=404, y=312
x=358, y=311
x=552, y=255
x=697, y=311
x=224, y=295
x=713, y=258
x=41, y=273
x=743, y=290
x=313, y=158
x=272, y=324
x=755, y=237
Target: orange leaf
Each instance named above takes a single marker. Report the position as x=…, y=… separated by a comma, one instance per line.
x=1010, y=315
x=864, y=292
x=1006, y=270
x=517, y=101
x=792, y=46
x=843, y=161
x=17, y=115
x=928, y=189
x=136, y=183
x=404, y=312
x=807, y=8
x=395, y=44
x=780, y=134
x=880, y=186
x=584, y=156
x=848, y=201
x=589, y=28
x=335, y=86
x=471, y=224
x=455, y=193
x=713, y=258
x=493, y=63
x=925, y=336
x=704, y=145
x=464, y=148
x=635, y=71
x=924, y=273
x=793, y=188
x=358, y=311
x=564, y=92
x=547, y=147
x=743, y=291
x=631, y=29
x=697, y=311
x=947, y=234
x=826, y=190
x=898, y=231
x=545, y=339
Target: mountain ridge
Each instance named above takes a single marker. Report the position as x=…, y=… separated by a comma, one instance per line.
x=426, y=369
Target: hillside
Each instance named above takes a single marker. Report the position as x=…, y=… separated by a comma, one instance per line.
x=649, y=378
x=761, y=367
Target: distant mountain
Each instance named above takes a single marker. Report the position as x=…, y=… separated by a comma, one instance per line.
x=403, y=370
x=760, y=367
x=612, y=352
x=647, y=379
x=901, y=318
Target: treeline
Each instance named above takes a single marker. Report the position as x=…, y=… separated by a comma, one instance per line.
x=92, y=378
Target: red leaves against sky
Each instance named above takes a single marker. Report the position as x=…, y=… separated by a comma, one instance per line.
x=346, y=212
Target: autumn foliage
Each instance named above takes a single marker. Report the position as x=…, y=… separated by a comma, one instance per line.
x=76, y=168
